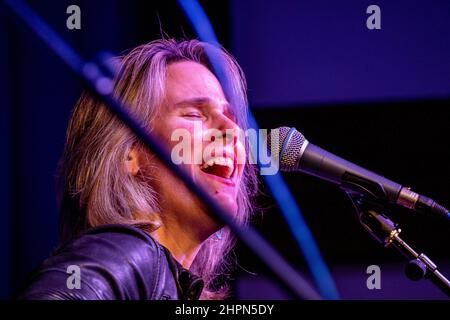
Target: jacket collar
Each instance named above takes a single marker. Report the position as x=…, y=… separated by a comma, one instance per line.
x=189, y=285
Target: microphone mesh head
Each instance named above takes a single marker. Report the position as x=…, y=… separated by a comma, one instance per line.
x=288, y=147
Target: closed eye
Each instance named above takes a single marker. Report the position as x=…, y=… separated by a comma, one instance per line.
x=196, y=115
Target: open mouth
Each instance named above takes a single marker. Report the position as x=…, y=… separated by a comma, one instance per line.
x=219, y=166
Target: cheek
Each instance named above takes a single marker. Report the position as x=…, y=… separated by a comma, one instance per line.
x=188, y=137
x=176, y=128
x=240, y=152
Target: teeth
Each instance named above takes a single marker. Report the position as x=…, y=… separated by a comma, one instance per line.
x=221, y=161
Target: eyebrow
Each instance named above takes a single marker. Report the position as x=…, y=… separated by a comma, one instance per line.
x=198, y=101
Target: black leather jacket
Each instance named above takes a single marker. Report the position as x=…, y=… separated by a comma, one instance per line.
x=116, y=262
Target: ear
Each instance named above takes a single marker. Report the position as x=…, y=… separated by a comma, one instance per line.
x=132, y=162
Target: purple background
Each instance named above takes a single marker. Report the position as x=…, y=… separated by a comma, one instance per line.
x=322, y=52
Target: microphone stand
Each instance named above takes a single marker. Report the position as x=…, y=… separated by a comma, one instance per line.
x=387, y=233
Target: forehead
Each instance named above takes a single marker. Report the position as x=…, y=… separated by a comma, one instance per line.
x=187, y=80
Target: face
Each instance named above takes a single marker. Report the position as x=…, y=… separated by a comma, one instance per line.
x=195, y=103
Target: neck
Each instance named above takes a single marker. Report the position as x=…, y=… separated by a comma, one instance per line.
x=183, y=245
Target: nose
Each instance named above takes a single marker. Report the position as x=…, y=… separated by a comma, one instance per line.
x=227, y=126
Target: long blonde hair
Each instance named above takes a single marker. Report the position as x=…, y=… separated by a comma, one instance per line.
x=95, y=187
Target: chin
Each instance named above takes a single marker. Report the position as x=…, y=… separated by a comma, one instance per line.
x=227, y=202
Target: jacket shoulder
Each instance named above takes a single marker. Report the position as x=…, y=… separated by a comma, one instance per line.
x=107, y=262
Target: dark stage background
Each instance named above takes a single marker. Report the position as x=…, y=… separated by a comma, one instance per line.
x=378, y=98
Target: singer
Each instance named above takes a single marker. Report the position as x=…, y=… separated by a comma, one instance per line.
x=129, y=228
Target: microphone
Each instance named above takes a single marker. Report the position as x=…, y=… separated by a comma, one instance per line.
x=297, y=154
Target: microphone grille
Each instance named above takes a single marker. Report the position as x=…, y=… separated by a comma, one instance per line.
x=288, y=147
